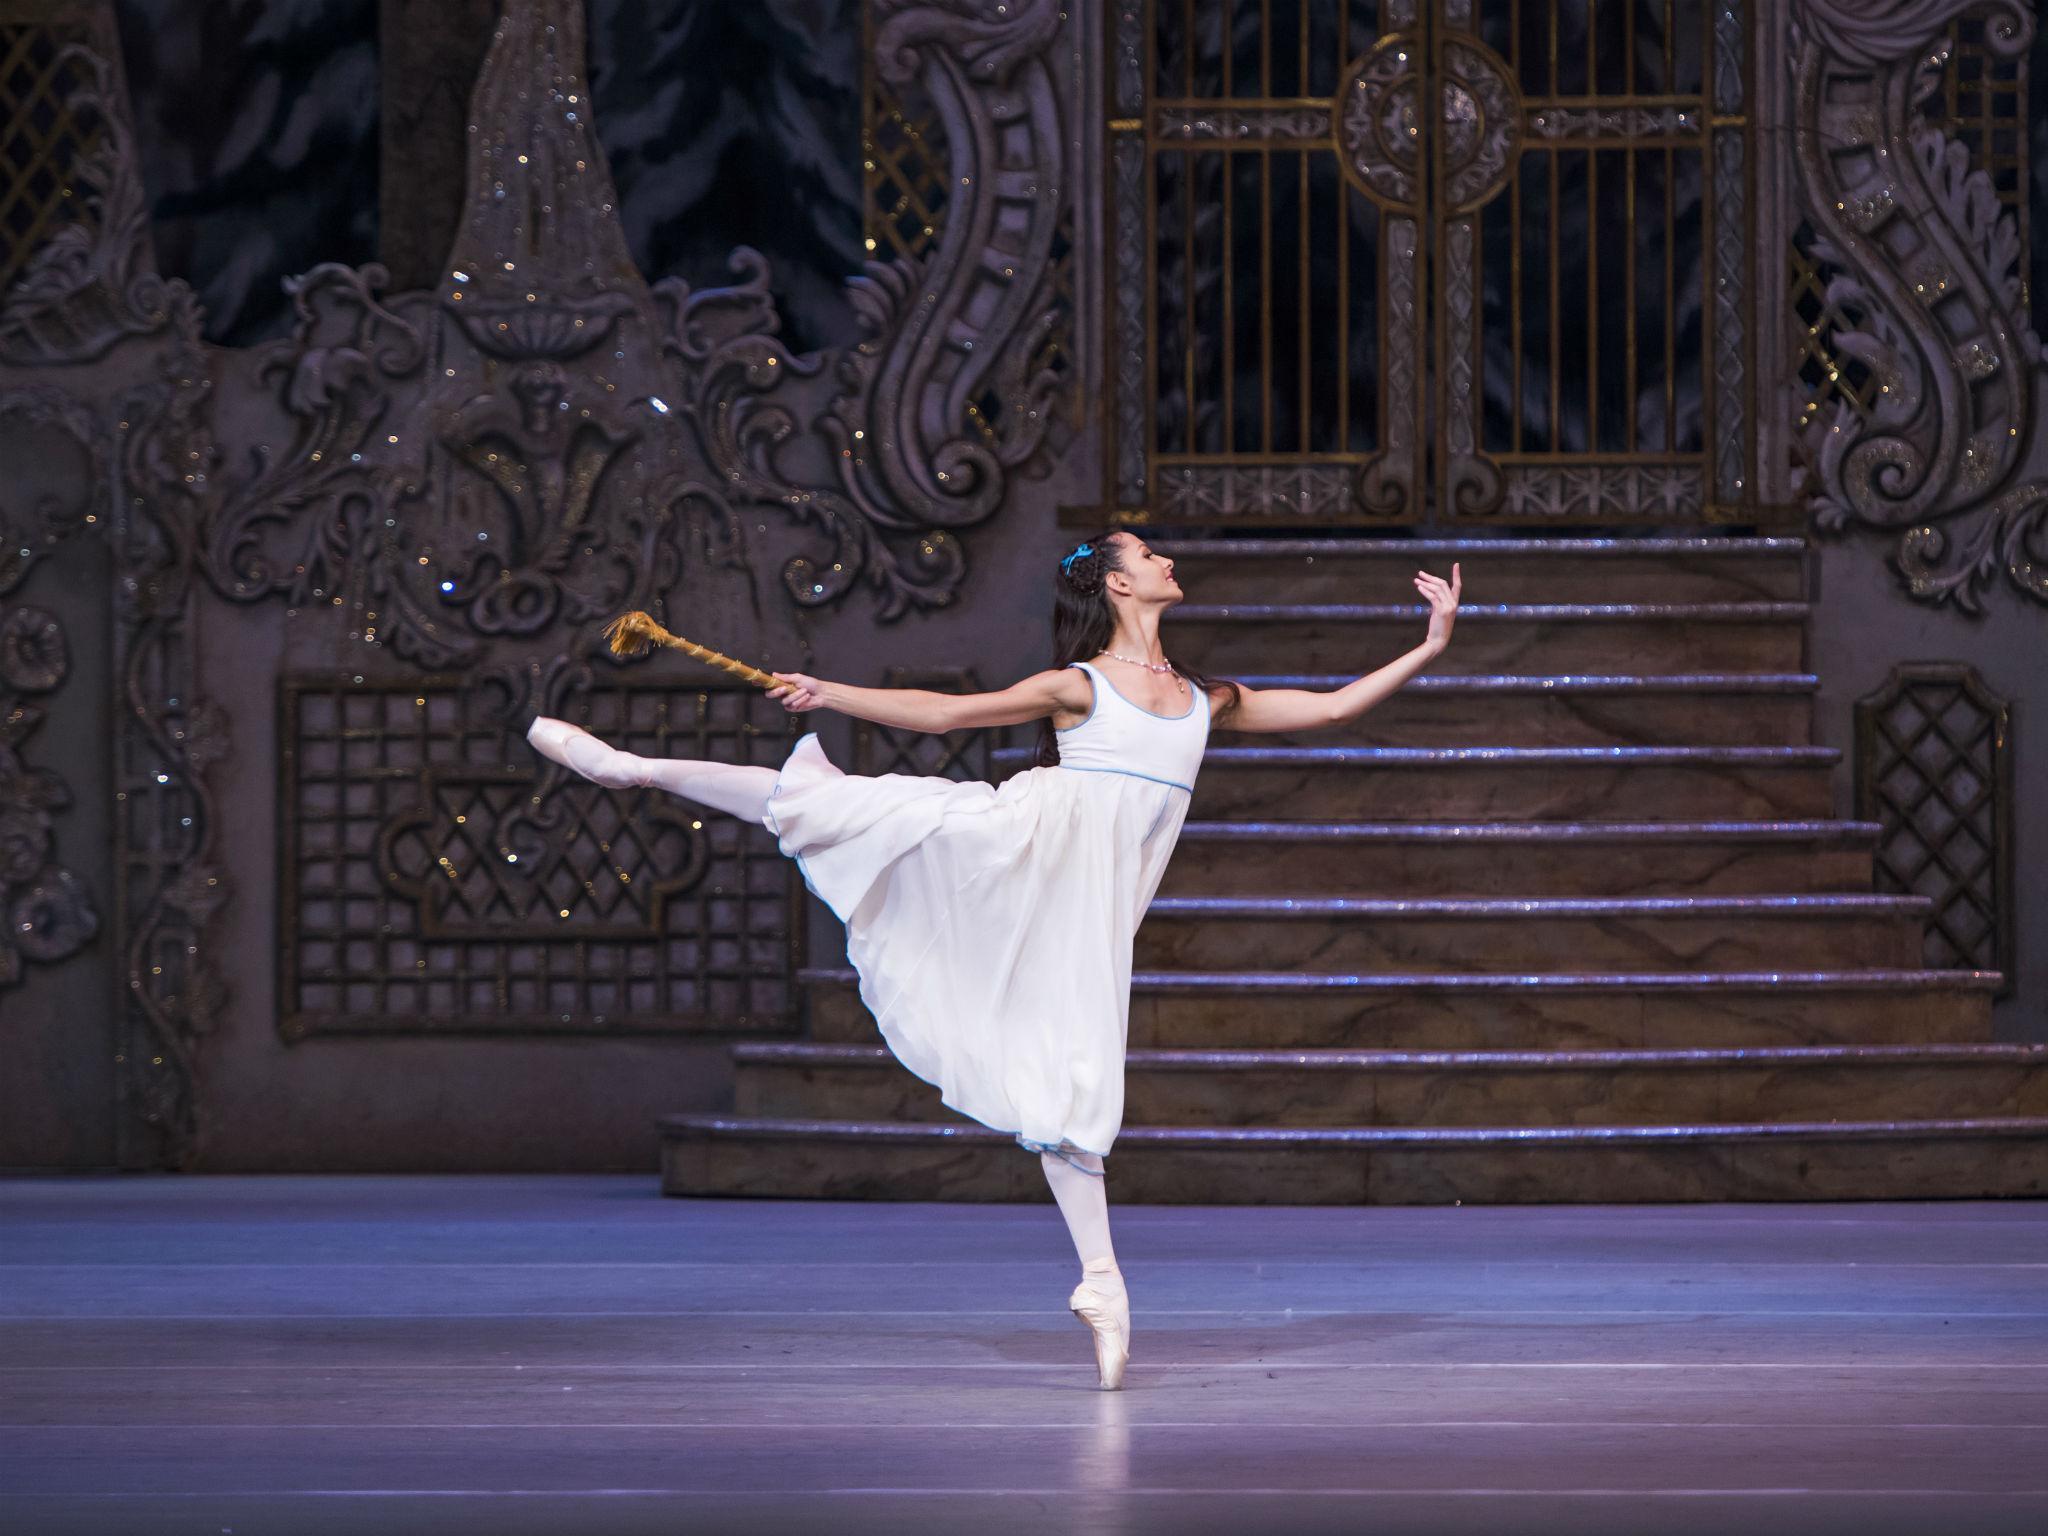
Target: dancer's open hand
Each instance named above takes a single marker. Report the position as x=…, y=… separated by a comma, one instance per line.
x=1442, y=597
x=798, y=692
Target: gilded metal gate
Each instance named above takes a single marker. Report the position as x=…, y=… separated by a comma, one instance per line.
x=1531, y=303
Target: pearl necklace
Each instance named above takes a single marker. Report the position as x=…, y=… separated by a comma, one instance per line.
x=1164, y=666
x=1180, y=685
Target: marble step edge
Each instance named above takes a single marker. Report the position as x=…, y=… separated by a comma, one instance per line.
x=1566, y=547
x=806, y=1053
x=1756, y=612
x=1513, y=757
x=1850, y=833
x=1794, y=904
x=772, y=1128
x=1869, y=979
x=1559, y=683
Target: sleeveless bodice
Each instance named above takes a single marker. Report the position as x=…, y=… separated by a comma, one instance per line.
x=1121, y=737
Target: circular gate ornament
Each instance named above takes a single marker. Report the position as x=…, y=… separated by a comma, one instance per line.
x=1378, y=137
x=1379, y=134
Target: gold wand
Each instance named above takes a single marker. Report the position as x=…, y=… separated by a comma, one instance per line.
x=632, y=633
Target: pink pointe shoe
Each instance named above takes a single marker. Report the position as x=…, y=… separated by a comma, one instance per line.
x=574, y=747
x=1101, y=1302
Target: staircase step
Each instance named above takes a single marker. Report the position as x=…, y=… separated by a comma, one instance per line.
x=1635, y=638
x=1974, y=1158
x=1368, y=1087
x=1495, y=934
x=1515, y=710
x=1505, y=783
x=1510, y=570
x=1652, y=1010
x=1494, y=858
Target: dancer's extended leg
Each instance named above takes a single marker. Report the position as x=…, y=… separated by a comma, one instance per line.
x=735, y=788
x=1099, y=1300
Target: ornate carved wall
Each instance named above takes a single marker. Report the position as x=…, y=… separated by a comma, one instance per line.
x=350, y=564
x=1921, y=261
x=314, y=587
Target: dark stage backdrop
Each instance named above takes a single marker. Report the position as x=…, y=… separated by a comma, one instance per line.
x=725, y=125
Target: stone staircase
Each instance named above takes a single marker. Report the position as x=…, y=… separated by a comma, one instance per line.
x=1567, y=919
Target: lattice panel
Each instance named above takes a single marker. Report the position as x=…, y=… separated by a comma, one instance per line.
x=41, y=139
x=438, y=876
x=955, y=755
x=903, y=166
x=1933, y=766
x=1983, y=103
x=1825, y=374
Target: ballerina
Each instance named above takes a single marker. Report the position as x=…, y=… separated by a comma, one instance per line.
x=991, y=927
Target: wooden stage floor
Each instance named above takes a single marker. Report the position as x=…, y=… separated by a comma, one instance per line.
x=577, y=1355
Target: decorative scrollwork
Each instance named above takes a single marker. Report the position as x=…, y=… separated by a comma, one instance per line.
x=1387, y=483
x=1925, y=262
x=938, y=333
x=1128, y=402
x=1731, y=313
x=1481, y=122
x=331, y=379
x=733, y=365
x=93, y=283
x=1378, y=133
x=49, y=913
x=543, y=453
x=1239, y=124
x=1129, y=93
x=332, y=469
x=347, y=512
x=1472, y=480
x=167, y=845
x=494, y=899
x=1604, y=493
x=1605, y=122
x=1377, y=130
x=1303, y=493
x=953, y=386
x=60, y=502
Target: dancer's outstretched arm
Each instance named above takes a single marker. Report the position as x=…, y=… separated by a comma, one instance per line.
x=920, y=709
x=1304, y=709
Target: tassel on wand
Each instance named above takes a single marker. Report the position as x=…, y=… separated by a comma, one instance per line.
x=631, y=634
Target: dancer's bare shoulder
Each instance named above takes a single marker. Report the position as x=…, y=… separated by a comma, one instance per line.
x=1061, y=692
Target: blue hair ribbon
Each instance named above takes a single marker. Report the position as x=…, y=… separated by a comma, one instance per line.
x=1067, y=563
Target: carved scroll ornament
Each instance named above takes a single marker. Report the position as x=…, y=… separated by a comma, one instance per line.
x=48, y=912
x=514, y=453
x=94, y=282
x=1927, y=265
x=912, y=467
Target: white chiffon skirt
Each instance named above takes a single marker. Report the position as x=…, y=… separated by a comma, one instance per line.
x=991, y=927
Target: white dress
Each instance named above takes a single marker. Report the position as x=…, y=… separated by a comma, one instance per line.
x=991, y=926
